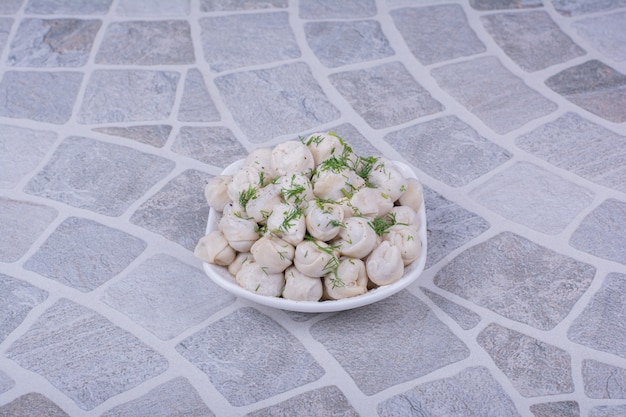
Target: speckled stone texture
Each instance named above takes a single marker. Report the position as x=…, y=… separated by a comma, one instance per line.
x=556, y=409
x=32, y=404
x=6, y=383
x=15, y=292
x=196, y=104
x=327, y=401
x=593, y=29
x=155, y=135
x=603, y=381
x=465, y=318
x=212, y=145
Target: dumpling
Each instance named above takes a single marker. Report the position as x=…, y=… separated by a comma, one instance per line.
x=405, y=215
x=295, y=189
x=384, y=265
x=216, y=191
x=261, y=159
x=371, y=202
x=244, y=185
x=413, y=195
x=388, y=178
x=261, y=206
x=407, y=240
x=292, y=157
x=240, y=232
x=301, y=287
x=336, y=183
x=315, y=258
x=357, y=238
x=349, y=280
x=240, y=259
x=324, y=220
x=323, y=146
x=252, y=277
x=214, y=249
x=288, y=223
x=272, y=253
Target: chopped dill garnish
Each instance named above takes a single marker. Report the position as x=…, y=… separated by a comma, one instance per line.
x=295, y=193
x=365, y=166
x=336, y=281
x=291, y=215
x=246, y=196
x=336, y=223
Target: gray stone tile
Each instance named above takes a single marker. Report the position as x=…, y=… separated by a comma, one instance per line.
x=275, y=101
x=329, y=9
x=222, y=5
x=531, y=39
x=326, y=401
x=504, y=4
x=53, y=42
x=465, y=318
x=212, y=145
x=6, y=383
x=603, y=232
x=153, y=135
x=32, y=404
x=22, y=224
x=385, y=95
x=556, y=409
x=359, y=143
x=454, y=396
x=595, y=87
x=534, y=368
x=258, y=359
x=98, y=176
x=84, y=355
x=22, y=150
x=437, y=33
x=497, y=97
x=72, y=7
x=114, y=96
x=152, y=296
x=337, y=43
x=608, y=411
x=601, y=325
x=84, y=254
x=606, y=34
x=5, y=29
x=448, y=150
x=196, y=104
x=449, y=226
x=517, y=279
x=173, y=398
x=162, y=42
x=178, y=211
x=582, y=147
x=427, y=344
x=603, y=381
x=10, y=6
x=17, y=298
x=579, y=7
x=41, y=96
x=153, y=8
x=240, y=40
x=531, y=196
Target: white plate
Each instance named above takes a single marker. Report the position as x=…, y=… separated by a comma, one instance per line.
x=224, y=279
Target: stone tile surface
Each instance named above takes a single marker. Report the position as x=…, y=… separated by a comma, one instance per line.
x=22, y=150
x=153, y=135
x=54, y=7
x=10, y=6
x=234, y=5
x=212, y=145
x=465, y=318
x=505, y=4
x=603, y=381
x=556, y=409
x=329, y=9
x=196, y=104
x=608, y=411
x=18, y=299
x=154, y=8
x=32, y=404
x=5, y=27
x=327, y=401
x=571, y=8
x=594, y=30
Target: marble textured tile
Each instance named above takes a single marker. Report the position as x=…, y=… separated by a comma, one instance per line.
x=151, y=295
x=258, y=359
x=601, y=325
x=6, y=383
x=196, y=104
x=98, y=176
x=166, y=42
x=500, y=99
x=84, y=355
x=233, y=5
x=275, y=101
x=153, y=8
x=137, y=96
x=450, y=226
x=594, y=86
x=337, y=43
x=603, y=381
x=437, y=33
x=571, y=8
x=329, y=9
x=484, y=5
x=542, y=45
x=448, y=150
x=241, y=40
x=23, y=223
x=41, y=96
x=608, y=411
x=531, y=196
x=92, y=7
x=153, y=135
x=212, y=145
x=465, y=318
x=517, y=279
x=84, y=254
x=603, y=232
x=173, y=398
x=375, y=364
x=385, y=95
x=17, y=299
x=32, y=404
x=556, y=409
x=535, y=368
x=606, y=34
x=582, y=147
x=325, y=401
x=21, y=150
x=178, y=211
x=456, y=395
x=53, y=42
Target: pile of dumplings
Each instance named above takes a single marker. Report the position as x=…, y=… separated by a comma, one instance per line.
x=310, y=220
